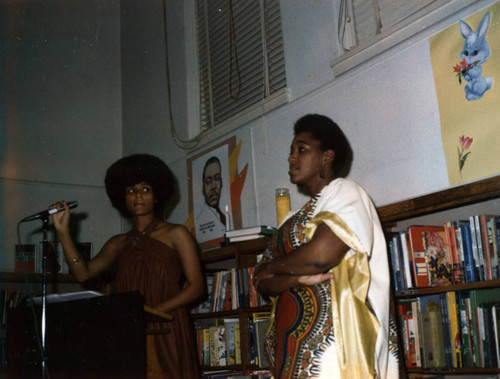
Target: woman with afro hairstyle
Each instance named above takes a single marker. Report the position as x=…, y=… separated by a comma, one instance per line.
x=156, y=258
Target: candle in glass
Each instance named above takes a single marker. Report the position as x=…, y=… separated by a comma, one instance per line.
x=282, y=196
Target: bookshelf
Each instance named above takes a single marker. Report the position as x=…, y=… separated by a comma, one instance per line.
x=480, y=197
x=239, y=255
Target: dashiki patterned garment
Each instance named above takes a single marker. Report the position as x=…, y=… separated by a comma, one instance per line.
x=302, y=341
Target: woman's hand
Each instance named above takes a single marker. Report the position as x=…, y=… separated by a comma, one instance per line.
x=310, y=280
x=273, y=284
x=61, y=219
x=261, y=274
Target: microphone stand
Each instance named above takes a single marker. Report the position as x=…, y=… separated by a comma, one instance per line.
x=45, y=220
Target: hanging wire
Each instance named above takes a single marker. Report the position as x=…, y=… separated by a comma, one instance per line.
x=188, y=144
x=233, y=56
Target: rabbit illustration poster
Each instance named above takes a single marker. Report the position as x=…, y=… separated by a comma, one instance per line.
x=466, y=66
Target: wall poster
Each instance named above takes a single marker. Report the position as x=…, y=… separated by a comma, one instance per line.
x=214, y=192
x=466, y=66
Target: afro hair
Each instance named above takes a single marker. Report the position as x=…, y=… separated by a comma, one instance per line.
x=135, y=169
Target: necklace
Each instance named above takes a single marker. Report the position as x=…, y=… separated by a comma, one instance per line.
x=144, y=231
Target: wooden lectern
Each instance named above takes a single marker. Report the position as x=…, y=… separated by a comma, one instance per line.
x=98, y=337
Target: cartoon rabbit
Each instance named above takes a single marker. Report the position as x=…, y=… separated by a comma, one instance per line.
x=476, y=51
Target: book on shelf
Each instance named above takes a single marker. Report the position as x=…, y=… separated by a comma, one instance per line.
x=477, y=247
x=469, y=264
x=437, y=257
x=229, y=325
x=433, y=344
x=25, y=258
x=397, y=264
x=495, y=312
x=465, y=332
x=418, y=349
x=455, y=335
x=205, y=345
x=424, y=246
x=479, y=300
x=445, y=320
x=496, y=233
x=407, y=259
x=434, y=356
x=254, y=230
x=260, y=329
x=217, y=345
x=246, y=238
x=493, y=232
x=407, y=330
x=453, y=252
x=486, y=239
x=237, y=342
x=431, y=333
x=458, y=226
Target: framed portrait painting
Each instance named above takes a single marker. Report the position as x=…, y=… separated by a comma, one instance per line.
x=210, y=194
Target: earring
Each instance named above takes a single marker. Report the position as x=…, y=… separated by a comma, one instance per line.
x=322, y=171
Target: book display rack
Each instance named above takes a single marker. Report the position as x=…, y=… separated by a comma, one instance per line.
x=453, y=297
x=231, y=322
x=445, y=254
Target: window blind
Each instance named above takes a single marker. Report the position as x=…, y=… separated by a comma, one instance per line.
x=240, y=56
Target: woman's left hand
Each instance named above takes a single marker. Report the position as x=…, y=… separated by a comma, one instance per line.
x=261, y=273
x=310, y=280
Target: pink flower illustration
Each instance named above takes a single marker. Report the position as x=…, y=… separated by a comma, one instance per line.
x=465, y=143
x=462, y=69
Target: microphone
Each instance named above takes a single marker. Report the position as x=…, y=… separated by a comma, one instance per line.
x=47, y=212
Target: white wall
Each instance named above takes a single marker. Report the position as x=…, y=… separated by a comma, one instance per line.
x=387, y=107
x=60, y=115
x=85, y=82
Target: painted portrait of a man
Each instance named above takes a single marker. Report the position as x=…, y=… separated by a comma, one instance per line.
x=211, y=197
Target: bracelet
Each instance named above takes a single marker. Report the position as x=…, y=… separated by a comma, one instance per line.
x=75, y=261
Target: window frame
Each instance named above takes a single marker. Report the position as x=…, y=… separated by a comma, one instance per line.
x=413, y=25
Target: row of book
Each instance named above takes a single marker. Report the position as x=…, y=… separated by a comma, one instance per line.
x=219, y=341
x=459, y=251
x=28, y=257
x=451, y=329
x=230, y=289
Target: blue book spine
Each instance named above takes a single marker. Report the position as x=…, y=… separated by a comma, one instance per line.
x=396, y=270
x=448, y=353
x=469, y=264
x=496, y=222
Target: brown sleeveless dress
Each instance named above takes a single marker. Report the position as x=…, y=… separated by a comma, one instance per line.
x=155, y=270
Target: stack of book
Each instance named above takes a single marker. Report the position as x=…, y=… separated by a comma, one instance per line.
x=250, y=233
